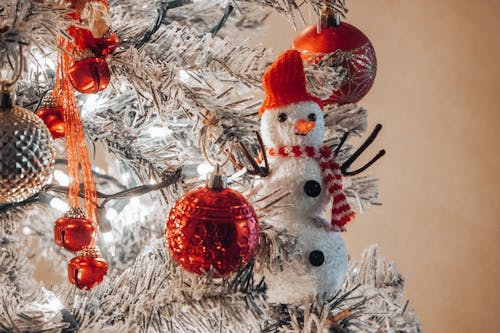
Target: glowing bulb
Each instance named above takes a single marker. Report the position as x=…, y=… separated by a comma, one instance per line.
x=61, y=178
x=59, y=204
x=184, y=76
x=108, y=237
x=111, y=214
x=158, y=132
x=204, y=168
x=90, y=104
x=53, y=303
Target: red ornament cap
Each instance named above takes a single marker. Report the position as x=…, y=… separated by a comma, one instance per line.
x=212, y=228
x=87, y=269
x=73, y=231
x=90, y=75
x=285, y=82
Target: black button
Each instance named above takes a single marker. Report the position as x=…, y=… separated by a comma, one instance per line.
x=316, y=258
x=312, y=188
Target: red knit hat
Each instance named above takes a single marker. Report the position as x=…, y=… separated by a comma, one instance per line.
x=285, y=82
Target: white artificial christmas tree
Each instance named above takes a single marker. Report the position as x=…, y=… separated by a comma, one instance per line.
x=185, y=90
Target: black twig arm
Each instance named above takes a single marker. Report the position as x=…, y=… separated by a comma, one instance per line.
x=256, y=169
x=341, y=143
x=347, y=164
x=220, y=24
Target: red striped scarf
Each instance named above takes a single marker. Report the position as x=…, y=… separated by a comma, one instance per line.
x=332, y=177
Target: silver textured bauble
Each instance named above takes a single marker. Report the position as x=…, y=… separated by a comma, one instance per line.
x=27, y=152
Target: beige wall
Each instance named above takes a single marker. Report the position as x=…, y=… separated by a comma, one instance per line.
x=437, y=94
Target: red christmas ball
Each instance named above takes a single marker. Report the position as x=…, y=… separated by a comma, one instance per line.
x=53, y=117
x=353, y=51
x=73, y=231
x=212, y=228
x=85, y=271
x=90, y=75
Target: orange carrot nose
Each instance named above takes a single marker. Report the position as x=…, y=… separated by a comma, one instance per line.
x=303, y=126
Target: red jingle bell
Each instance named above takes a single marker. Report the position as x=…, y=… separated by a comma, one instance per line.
x=53, y=116
x=90, y=75
x=87, y=269
x=104, y=46
x=83, y=39
x=351, y=49
x=212, y=227
x=73, y=231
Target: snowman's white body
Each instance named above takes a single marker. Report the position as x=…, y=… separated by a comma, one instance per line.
x=299, y=213
x=291, y=175
x=302, y=279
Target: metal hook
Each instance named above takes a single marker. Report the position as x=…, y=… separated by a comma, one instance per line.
x=217, y=165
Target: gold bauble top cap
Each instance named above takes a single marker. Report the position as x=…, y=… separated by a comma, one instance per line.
x=7, y=99
x=217, y=181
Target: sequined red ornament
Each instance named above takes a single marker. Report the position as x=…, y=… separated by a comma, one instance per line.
x=87, y=269
x=90, y=75
x=353, y=51
x=73, y=231
x=52, y=115
x=212, y=227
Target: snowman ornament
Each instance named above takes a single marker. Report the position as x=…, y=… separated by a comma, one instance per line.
x=292, y=130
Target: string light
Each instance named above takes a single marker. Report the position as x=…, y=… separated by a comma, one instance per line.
x=59, y=204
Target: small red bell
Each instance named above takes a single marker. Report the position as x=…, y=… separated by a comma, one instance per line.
x=90, y=75
x=83, y=39
x=73, y=231
x=104, y=46
x=53, y=116
x=87, y=269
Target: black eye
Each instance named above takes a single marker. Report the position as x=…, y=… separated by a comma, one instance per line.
x=311, y=117
x=282, y=117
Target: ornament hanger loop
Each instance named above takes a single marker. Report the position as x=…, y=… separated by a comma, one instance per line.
x=216, y=165
x=5, y=84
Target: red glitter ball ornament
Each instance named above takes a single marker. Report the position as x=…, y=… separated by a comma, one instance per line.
x=53, y=116
x=90, y=75
x=212, y=227
x=87, y=269
x=73, y=231
x=353, y=51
